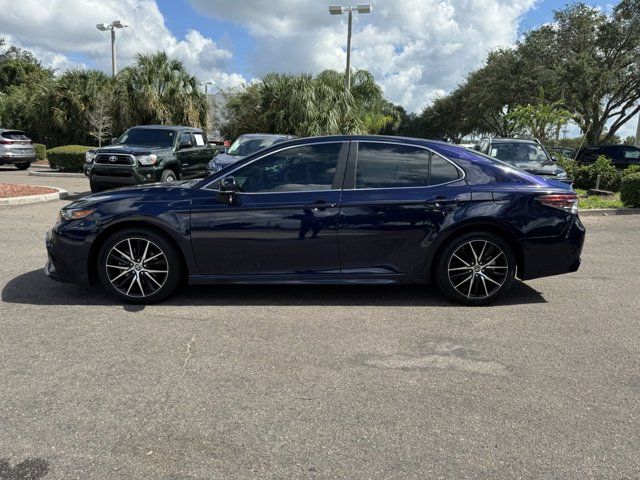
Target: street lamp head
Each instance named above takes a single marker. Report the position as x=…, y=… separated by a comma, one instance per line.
x=119, y=24
x=103, y=27
x=336, y=10
x=364, y=8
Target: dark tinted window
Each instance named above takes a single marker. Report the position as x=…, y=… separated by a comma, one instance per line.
x=295, y=169
x=15, y=136
x=245, y=146
x=147, y=137
x=382, y=165
x=611, y=152
x=391, y=166
x=442, y=171
x=185, y=137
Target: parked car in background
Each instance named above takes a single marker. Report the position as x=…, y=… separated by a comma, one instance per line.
x=16, y=149
x=244, y=146
x=564, y=151
x=149, y=154
x=339, y=209
x=526, y=154
x=621, y=156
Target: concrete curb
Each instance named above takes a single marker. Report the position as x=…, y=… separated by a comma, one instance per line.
x=600, y=212
x=45, y=197
x=53, y=173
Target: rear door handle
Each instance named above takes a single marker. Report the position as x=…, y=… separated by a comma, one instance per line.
x=320, y=205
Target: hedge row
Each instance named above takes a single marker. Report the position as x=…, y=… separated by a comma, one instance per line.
x=630, y=190
x=585, y=176
x=41, y=151
x=67, y=157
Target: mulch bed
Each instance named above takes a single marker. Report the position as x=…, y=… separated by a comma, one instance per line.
x=8, y=190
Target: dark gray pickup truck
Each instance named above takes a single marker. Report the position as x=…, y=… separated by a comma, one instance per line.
x=149, y=154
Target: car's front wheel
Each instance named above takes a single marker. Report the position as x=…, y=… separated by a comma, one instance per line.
x=476, y=268
x=23, y=165
x=168, y=176
x=139, y=266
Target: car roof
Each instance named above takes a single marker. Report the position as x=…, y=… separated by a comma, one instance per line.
x=513, y=140
x=16, y=130
x=169, y=127
x=266, y=135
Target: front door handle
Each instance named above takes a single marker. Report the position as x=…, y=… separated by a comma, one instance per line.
x=320, y=205
x=441, y=202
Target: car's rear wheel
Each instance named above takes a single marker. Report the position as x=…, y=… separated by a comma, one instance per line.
x=23, y=165
x=476, y=269
x=139, y=266
x=168, y=176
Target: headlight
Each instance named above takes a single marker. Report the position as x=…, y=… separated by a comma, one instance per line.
x=561, y=174
x=74, y=213
x=147, y=159
x=89, y=156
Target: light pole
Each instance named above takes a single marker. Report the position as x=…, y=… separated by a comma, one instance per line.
x=339, y=10
x=103, y=27
x=637, y=142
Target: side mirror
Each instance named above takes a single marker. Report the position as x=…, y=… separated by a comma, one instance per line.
x=223, y=150
x=185, y=144
x=114, y=140
x=228, y=184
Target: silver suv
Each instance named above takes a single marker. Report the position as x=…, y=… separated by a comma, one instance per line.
x=16, y=148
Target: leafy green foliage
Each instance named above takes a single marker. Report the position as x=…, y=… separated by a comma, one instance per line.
x=630, y=190
x=539, y=119
x=41, y=151
x=304, y=105
x=631, y=169
x=586, y=176
x=67, y=157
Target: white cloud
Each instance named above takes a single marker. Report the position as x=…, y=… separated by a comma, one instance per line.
x=416, y=49
x=54, y=29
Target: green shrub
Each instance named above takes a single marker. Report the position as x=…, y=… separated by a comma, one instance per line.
x=67, y=157
x=41, y=151
x=631, y=169
x=586, y=176
x=630, y=190
x=568, y=164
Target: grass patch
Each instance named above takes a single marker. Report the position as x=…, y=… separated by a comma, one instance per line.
x=587, y=203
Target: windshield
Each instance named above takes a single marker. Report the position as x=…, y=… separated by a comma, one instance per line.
x=148, y=137
x=244, y=146
x=520, y=154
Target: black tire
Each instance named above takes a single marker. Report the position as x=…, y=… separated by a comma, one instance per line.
x=168, y=176
x=23, y=166
x=467, y=260
x=96, y=188
x=142, y=286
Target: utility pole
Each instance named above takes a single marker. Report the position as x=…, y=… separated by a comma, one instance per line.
x=637, y=142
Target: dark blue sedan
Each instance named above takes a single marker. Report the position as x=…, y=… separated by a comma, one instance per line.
x=327, y=210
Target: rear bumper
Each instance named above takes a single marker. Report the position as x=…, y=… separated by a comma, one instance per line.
x=543, y=257
x=8, y=159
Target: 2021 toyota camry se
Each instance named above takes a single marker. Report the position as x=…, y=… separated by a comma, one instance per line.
x=327, y=210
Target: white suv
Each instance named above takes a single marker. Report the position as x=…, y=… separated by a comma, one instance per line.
x=16, y=148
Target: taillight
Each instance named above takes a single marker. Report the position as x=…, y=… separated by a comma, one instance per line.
x=563, y=201
x=4, y=141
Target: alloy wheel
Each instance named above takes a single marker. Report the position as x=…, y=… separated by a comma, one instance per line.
x=137, y=267
x=477, y=269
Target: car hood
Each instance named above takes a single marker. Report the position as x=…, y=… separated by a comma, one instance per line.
x=224, y=159
x=152, y=192
x=129, y=149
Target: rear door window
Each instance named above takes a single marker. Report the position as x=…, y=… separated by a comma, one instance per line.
x=199, y=139
x=381, y=165
x=632, y=153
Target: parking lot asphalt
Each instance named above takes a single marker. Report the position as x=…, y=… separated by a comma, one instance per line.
x=230, y=382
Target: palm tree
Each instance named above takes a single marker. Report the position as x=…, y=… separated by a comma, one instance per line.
x=158, y=90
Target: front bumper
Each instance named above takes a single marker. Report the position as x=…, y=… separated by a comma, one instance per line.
x=67, y=259
x=120, y=176
x=546, y=256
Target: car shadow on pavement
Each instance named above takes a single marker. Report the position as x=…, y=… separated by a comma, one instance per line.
x=35, y=288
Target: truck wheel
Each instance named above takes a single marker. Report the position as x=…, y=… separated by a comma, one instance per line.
x=23, y=166
x=95, y=188
x=168, y=176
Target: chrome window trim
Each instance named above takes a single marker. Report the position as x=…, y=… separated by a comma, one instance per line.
x=206, y=187
x=460, y=170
